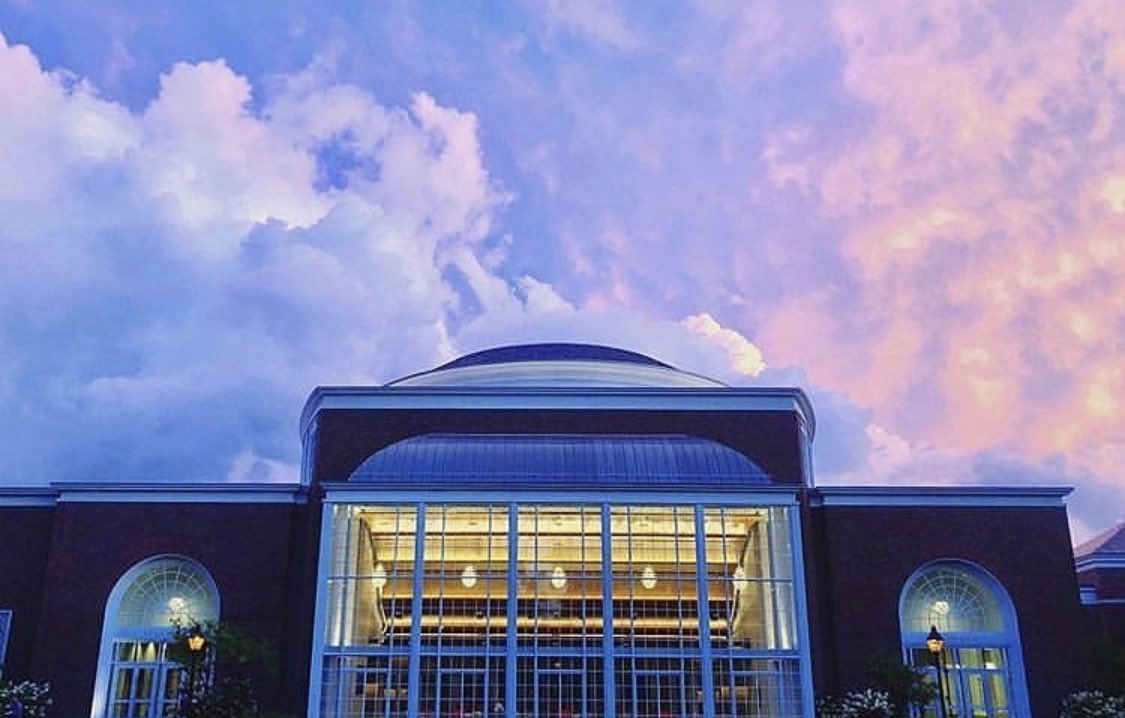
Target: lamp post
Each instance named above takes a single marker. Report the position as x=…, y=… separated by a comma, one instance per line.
x=935, y=642
x=195, y=641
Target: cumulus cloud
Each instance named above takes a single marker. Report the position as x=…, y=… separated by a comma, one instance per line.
x=975, y=209
x=220, y=251
x=177, y=278
x=744, y=356
x=913, y=213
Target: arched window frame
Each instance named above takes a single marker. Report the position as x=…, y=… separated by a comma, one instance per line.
x=112, y=631
x=1008, y=638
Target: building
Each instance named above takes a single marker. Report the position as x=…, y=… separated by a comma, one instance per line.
x=1100, y=563
x=548, y=530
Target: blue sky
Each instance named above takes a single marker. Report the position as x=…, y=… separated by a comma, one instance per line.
x=206, y=209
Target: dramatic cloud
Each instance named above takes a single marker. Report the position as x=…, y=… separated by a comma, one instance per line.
x=914, y=213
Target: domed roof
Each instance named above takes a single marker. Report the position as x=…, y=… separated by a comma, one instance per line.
x=552, y=351
x=560, y=460
x=557, y=364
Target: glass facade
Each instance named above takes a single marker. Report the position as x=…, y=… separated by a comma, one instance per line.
x=582, y=609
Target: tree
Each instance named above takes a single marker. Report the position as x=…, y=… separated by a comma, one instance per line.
x=906, y=685
x=219, y=677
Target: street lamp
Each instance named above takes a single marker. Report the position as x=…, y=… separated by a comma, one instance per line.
x=935, y=642
x=195, y=641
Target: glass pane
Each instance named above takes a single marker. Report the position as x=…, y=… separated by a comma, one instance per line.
x=516, y=596
x=970, y=658
x=749, y=590
x=999, y=688
x=993, y=658
x=976, y=693
x=123, y=683
x=654, y=576
x=144, y=683
x=559, y=576
x=953, y=599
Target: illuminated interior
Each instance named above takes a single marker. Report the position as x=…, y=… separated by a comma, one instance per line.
x=560, y=610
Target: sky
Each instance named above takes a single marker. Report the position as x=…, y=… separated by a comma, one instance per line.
x=914, y=212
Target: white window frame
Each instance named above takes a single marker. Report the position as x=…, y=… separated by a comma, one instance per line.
x=112, y=633
x=1007, y=639
x=5, y=634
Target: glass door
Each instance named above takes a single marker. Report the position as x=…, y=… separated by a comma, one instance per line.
x=562, y=691
x=658, y=694
x=143, y=683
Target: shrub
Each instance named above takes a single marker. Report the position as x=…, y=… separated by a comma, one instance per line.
x=33, y=697
x=869, y=703
x=1093, y=704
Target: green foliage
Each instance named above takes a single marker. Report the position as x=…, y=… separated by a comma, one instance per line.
x=1109, y=664
x=225, y=671
x=904, y=685
x=1092, y=704
x=34, y=698
x=868, y=703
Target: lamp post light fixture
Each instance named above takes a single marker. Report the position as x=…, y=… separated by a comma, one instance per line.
x=936, y=643
x=195, y=642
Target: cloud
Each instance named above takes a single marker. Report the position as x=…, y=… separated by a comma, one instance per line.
x=915, y=214
x=197, y=278
x=596, y=20
x=744, y=356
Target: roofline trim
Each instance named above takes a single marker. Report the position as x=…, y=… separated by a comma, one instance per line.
x=763, y=494
x=975, y=496
x=327, y=398
x=188, y=493
x=27, y=496
x=1093, y=562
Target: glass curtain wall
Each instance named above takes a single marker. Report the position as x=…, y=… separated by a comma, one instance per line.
x=560, y=611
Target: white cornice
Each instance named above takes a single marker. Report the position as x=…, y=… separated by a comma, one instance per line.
x=558, y=373
x=560, y=399
x=975, y=496
x=345, y=492
x=1095, y=562
x=103, y=492
x=27, y=496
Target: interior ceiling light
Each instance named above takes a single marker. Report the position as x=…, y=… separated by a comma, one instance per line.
x=648, y=578
x=739, y=579
x=469, y=576
x=558, y=577
x=941, y=608
x=176, y=604
x=379, y=575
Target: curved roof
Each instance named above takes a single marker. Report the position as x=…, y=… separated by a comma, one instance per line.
x=589, y=460
x=555, y=365
x=552, y=351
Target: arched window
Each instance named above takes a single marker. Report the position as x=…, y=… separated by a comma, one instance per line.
x=980, y=670
x=135, y=675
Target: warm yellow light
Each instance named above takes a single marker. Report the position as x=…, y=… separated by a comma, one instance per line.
x=935, y=642
x=648, y=578
x=379, y=575
x=739, y=579
x=558, y=578
x=469, y=576
x=195, y=639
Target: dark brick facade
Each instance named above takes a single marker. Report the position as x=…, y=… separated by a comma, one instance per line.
x=249, y=550
x=25, y=534
x=863, y=556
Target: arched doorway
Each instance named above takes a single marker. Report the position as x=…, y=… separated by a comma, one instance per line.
x=982, y=672
x=136, y=677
